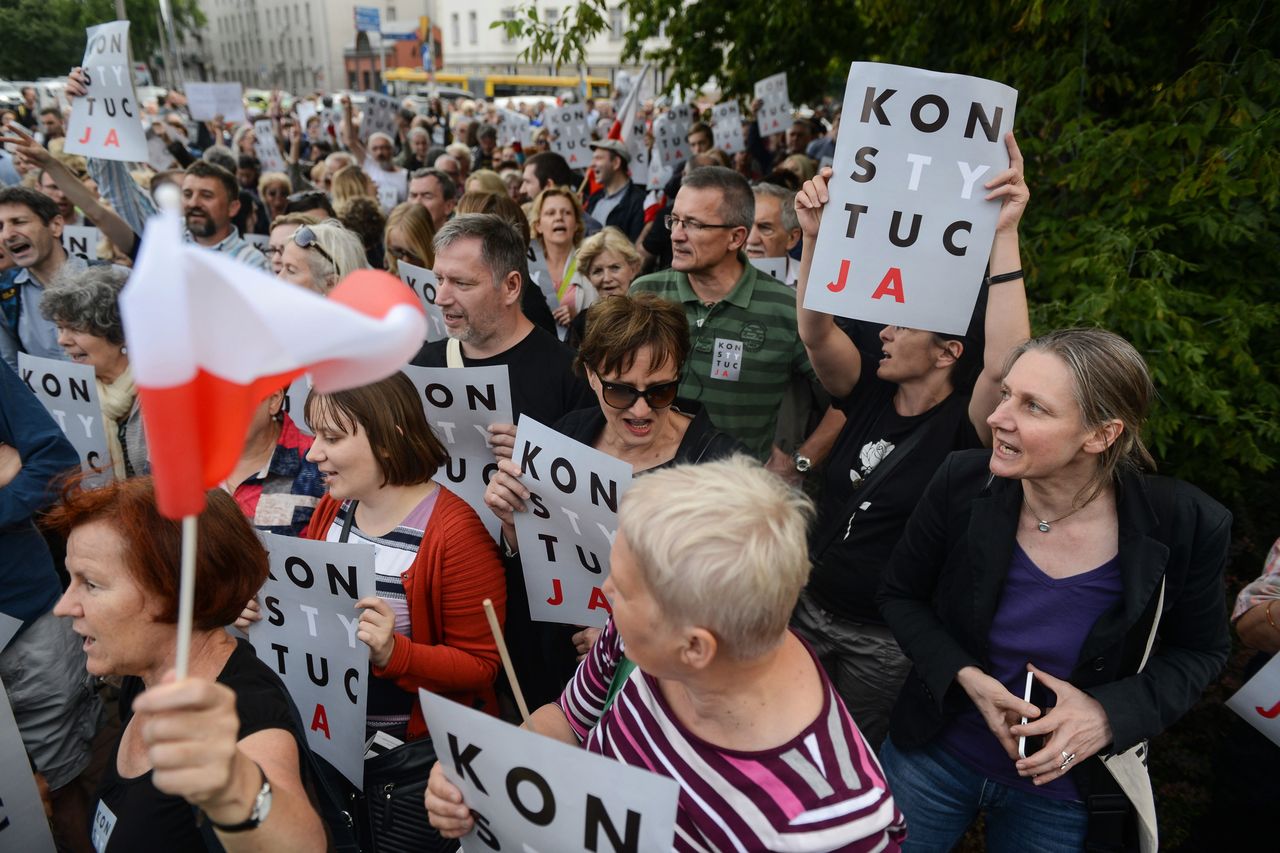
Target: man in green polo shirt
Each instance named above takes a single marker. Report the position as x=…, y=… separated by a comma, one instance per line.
x=742, y=322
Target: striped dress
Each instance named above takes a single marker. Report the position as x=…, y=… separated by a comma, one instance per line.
x=822, y=790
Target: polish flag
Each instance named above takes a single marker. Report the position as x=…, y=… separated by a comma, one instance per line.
x=209, y=338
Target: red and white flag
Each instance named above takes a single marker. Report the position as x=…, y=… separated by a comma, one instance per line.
x=209, y=338
x=626, y=119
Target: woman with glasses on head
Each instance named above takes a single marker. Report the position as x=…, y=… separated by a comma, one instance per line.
x=319, y=256
x=409, y=237
x=282, y=228
x=633, y=354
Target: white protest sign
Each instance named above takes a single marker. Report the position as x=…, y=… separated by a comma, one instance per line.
x=307, y=634
x=774, y=115
x=107, y=122
x=907, y=233
x=1258, y=701
x=306, y=110
x=570, y=135
x=81, y=241
x=540, y=274
x=530, y=792
x=70, y=394
x=726, y=127
x=261, y=242
x=207, y=101
x=379, y=116
x=9, y=626
x=423, y=282
x=266, y=148
x=461, y=403
x=568, y=530
x=513, y=127
x=638, y=147
x=295, y=400
x=659, y=176
x=670, y=136
x=23, y=825
x=776, y=267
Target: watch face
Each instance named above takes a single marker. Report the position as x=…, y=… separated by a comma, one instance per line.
x=803, y=463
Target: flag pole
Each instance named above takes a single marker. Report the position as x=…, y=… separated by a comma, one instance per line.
x=186, y=594
x=506, y=659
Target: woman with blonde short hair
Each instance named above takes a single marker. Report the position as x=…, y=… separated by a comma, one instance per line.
x=705, y=570
x=409, y=236
x=319, y=256
x=485, y=180
x=609, y=262
x=350, y=182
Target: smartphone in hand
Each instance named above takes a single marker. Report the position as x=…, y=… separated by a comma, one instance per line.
x=1034, y=743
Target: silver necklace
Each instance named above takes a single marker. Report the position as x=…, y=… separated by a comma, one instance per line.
x=1043, y=524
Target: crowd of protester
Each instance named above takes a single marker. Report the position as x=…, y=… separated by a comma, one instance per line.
x=837, y=564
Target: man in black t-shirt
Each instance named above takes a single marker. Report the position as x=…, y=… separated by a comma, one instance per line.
x=907, y=395
x=481, y=266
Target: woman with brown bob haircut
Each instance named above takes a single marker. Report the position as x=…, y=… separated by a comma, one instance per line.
x=214, y=740
x=633, y=355
x=435, y=562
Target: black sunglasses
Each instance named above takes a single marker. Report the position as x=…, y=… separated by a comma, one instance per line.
x=621, y=396
x=305, y=238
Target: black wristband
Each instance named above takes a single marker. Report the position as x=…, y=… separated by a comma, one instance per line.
x=1004, y=277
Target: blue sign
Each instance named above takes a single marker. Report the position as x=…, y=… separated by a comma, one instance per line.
x=368, y=19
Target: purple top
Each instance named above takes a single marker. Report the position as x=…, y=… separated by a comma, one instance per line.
x=1044, y=621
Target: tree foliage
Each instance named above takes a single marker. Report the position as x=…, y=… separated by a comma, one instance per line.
x=1152, y=136
x=45, y=38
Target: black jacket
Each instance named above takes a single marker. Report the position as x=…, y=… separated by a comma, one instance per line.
x=943, y=583
x=702, y=442
x=628, y=216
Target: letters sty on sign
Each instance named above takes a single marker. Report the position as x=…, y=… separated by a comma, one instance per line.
x=906, y=236
x=570, y=136
x=567, y=532
x=307, y=634
x=1258, y=701
x=107, y=122
x=527, y=789
x=461, y=403
x=69, y=393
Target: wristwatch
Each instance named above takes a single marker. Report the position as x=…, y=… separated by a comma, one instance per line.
x=261, y=806
x=803, y=463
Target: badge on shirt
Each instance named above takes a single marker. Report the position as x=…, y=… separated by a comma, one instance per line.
x=104, y=821
x=726, y=362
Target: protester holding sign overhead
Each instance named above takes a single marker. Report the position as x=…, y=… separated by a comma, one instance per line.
x=713, y=689
x=86, y=311
x=223, y=740
x=911, y=407
x=435, y=561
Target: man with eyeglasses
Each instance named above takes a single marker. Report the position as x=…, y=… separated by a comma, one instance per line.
x=742, y=321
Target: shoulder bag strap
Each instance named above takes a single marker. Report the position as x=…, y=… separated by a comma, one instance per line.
x=868, y=487
x=453, y=353
x=348, y=521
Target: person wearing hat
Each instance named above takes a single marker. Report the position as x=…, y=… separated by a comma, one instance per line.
x=619, y=202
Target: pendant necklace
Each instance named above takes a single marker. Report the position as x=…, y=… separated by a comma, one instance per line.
x=1042, y=524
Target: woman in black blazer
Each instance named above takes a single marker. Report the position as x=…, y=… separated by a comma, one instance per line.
x=1050, y=554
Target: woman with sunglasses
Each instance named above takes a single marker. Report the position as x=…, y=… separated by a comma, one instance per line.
x=409, y=236
x=633, y=354
x=319, y=256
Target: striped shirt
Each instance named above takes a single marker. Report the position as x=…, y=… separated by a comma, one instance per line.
x=388, y=706
x=746, y=350
x=822, y=790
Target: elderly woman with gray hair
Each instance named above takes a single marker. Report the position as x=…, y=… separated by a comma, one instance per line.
x=713, y=688
x=86, y=310
x=319, y=256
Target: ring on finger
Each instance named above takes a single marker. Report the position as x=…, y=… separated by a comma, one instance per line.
x=1067, y=758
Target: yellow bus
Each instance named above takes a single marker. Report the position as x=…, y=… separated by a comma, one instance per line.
x=498, y=85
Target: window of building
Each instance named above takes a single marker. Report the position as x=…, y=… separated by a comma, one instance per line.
x=473, y=29
x=455, y=29
x=551, y=14
x=507, y=15
x=617, y=24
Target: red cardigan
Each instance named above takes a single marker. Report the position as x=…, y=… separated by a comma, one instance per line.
x=453, y=653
